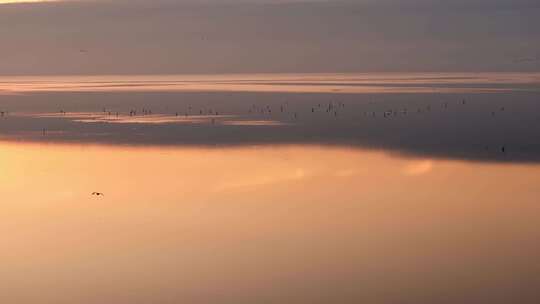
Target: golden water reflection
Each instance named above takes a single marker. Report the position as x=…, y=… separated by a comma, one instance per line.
x=292, y=83
x=301, y=224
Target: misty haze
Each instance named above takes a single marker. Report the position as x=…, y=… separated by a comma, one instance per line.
x=269, y=151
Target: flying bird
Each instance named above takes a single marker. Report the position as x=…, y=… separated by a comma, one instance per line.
x=98, y=194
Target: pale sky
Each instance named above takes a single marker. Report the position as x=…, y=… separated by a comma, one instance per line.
x=258, y=36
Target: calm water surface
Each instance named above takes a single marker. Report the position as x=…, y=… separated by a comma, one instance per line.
x=343, y=188
x=263, y=224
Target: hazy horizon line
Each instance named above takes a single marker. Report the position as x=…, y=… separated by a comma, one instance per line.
x=279, y=73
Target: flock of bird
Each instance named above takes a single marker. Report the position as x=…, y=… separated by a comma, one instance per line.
x=332, y=108
x=283, y=111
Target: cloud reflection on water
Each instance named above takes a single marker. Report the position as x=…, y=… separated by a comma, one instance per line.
x=228, y=223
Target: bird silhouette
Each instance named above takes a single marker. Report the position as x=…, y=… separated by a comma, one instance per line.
x=98, y=194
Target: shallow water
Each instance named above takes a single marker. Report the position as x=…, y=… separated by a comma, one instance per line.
x=272, y=224
x=363, y=188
